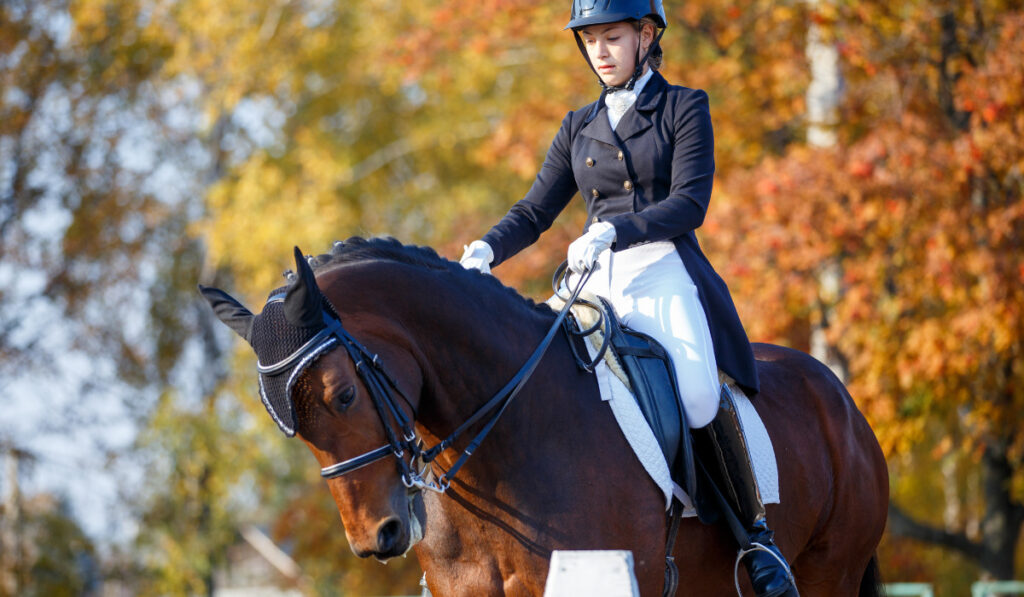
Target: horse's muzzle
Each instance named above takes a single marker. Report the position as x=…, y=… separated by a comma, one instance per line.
x=395, y=536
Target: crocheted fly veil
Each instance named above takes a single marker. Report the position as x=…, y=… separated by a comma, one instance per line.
x=288, y=336
x=274, y=339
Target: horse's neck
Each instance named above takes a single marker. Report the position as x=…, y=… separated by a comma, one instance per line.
x=469, y=338
x=546, y=460
x=540, y=476
x=475, y=346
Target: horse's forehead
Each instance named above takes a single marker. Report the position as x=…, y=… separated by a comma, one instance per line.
x=332, y=370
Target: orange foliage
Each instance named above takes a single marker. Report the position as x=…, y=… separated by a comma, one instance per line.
x=906, y=242
x=925, y=221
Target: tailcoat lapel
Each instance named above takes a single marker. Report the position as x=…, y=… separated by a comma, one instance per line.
x=633, y=123
x=598, y=128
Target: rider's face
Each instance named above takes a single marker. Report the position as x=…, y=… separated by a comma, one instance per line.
x=612, y=49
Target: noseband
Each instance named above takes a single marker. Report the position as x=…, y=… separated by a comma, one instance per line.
x=398, y=427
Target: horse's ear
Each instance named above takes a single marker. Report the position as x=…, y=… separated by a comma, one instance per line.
x=303, y=303
x=229, y=310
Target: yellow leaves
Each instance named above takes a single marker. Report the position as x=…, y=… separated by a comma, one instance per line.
x=90, y=15
x=518, y=140
x=262, y=214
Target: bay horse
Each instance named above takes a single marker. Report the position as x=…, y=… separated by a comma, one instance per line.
x=556, y=471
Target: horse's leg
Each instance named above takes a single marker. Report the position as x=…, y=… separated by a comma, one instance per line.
x=828, y=576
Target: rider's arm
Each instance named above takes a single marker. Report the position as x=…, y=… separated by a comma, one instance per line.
x=551, y=191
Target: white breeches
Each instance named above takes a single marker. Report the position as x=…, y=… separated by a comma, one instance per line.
x=653, y=293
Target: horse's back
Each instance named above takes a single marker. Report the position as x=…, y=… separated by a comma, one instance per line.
x=833, y=478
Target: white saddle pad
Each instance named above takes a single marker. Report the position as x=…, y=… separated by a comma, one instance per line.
x=640, y=437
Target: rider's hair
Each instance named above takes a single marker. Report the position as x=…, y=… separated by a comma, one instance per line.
x=654, y=60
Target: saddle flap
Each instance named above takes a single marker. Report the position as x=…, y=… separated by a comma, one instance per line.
x=653, y=381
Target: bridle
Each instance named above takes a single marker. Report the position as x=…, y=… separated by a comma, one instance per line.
x=399, y=428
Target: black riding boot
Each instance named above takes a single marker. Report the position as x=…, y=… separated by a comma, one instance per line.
x=769, y=572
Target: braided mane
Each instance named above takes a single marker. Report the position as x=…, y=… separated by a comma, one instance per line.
x=357, y=249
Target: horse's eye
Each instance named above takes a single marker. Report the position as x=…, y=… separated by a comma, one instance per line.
x=343, y=399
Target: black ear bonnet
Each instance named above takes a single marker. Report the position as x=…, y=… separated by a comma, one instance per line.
x=297, y=325
x=275, y=339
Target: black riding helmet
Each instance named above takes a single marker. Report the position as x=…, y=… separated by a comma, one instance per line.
x=600, y=12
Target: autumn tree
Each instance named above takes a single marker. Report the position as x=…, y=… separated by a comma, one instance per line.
x=103, y=164
x=921, y=206
x=57, y=558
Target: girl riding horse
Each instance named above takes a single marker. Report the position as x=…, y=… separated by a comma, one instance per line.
x=642, y=156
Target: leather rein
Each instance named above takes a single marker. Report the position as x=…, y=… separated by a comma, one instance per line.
x=399, y=429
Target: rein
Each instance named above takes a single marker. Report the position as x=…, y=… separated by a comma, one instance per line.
x=378, y=381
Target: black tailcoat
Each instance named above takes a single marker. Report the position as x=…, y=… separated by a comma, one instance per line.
x=650, y=178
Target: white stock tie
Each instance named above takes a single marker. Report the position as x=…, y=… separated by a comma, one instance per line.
x=618, y=102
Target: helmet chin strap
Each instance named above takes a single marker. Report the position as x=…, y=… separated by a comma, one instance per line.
x=637, y=71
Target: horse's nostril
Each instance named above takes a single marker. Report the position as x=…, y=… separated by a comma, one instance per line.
x=387, y=535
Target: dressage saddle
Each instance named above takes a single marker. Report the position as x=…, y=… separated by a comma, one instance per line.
x=652, y=380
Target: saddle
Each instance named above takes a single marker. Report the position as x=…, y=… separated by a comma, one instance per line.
x=646, y=369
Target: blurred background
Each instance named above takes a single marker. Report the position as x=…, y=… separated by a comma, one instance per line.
x=869, y=209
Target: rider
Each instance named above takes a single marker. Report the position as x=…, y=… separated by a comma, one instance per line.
x=642, y=156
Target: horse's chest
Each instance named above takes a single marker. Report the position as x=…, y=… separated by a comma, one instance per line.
x=466, y=556
x=482, y=572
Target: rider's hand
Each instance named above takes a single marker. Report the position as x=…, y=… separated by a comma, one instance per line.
x=478, y=256
x=583, y=251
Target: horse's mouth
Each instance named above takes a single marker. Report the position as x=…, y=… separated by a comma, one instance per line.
x=416, y=526
x=384, y=557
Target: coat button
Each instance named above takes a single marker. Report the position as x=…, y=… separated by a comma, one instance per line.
x=622, y=156
x=594, y=193
x=590, y=162
x=594, y=221
x=628, y=185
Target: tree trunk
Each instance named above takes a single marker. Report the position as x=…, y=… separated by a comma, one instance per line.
x=1001, y=524
x=825, y=86
x=823, y=94
x=10, y=544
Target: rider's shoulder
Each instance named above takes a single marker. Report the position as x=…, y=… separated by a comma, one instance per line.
x=681, y=94
x=577, y=118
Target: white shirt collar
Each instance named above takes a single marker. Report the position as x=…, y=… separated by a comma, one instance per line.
x=620, y=101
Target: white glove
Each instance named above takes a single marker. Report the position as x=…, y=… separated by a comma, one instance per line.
x=478, y=256
x=583, y=251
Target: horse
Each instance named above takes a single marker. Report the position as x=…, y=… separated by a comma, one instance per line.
x=556, y=471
